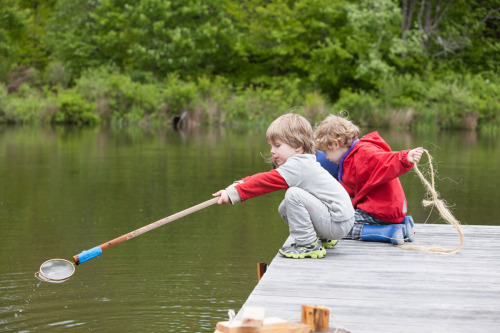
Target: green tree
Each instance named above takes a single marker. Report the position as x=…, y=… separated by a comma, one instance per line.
x=329, y=45
x=192, y=37
x=71, y=33
x=455, y=34
x=13, y=24
x=374, y=31
x=478, y=22
x=292, y=39
x=34, y=51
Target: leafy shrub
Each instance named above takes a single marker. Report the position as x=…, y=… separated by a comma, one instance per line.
x=402, y=91
x=28, y=105
x=72, y=108
x=117, y=95
x=450, y=102
x=56, y=75
x=3, y=100
x=360, y=106
x=179, y=95
x=487, y=90
x=315, y=106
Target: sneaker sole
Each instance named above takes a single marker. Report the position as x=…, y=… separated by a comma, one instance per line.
x=329, y=245
x=318, y=254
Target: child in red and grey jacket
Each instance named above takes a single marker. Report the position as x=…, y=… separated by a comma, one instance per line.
x=316, y=207
x=369, y=171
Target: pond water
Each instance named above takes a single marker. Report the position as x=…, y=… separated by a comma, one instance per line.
x=65, y=189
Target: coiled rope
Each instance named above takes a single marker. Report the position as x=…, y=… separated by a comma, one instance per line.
x=443, y=211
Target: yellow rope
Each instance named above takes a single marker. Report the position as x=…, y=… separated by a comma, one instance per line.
x=443, y=211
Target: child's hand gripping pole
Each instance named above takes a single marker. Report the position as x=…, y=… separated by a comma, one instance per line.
x=96, y=251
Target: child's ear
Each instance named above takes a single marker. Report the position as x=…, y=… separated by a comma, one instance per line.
x=299, y=149
x=334, y=146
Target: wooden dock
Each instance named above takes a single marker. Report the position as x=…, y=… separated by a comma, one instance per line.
x=377, y=287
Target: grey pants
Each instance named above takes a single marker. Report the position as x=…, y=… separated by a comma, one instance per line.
x=308, y=218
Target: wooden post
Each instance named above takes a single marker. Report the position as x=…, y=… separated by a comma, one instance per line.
x=261, y=269
x=316, y=316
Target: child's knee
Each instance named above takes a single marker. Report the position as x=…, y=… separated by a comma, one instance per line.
x=294, y=194
x=282, y=211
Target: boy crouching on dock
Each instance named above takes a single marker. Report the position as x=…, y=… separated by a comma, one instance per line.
x=369, y=171
x=316, y=207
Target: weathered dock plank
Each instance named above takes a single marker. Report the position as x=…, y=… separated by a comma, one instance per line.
x=377, y=287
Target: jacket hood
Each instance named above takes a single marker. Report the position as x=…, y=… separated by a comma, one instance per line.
x=373, y=138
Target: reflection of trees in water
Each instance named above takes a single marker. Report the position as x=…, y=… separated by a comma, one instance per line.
x=469, y=138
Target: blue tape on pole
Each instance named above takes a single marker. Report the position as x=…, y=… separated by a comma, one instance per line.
x=89, y=254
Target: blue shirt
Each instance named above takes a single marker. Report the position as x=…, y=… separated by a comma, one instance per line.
x=332, y=168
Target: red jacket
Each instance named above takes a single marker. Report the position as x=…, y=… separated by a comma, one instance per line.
x=370, y=176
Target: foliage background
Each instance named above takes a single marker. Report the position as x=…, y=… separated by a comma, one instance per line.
x=426, y=63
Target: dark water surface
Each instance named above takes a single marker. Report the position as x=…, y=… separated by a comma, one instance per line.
x=65, y=190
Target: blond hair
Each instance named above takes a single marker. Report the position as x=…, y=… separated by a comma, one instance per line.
x=335, y=129
x=294, y=130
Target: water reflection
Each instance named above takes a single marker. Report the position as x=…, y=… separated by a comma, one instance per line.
x=63, y=190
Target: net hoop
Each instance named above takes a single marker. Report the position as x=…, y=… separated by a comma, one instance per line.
x=42, y=277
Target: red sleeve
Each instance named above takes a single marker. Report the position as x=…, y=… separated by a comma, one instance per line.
x=384, y=166
x=261, y=183
x=379, y=167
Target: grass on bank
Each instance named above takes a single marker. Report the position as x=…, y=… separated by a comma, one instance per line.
x=107, y=96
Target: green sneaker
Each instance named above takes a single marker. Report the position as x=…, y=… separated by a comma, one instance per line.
x=313, y=251
x=328, y=243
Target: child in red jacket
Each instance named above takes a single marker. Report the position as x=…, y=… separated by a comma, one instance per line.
x=369, y=171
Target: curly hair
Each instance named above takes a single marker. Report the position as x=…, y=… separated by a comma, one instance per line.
x=335, y=129
x=294, y=130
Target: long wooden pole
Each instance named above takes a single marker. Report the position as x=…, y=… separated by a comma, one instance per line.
x=96, y=251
